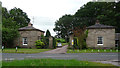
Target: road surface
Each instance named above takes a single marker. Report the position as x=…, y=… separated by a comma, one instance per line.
x=59, y=53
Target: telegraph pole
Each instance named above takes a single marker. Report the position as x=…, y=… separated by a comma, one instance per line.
x=33, y=19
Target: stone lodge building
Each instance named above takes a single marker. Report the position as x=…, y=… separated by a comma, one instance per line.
x=101, y=36
x=28, y=36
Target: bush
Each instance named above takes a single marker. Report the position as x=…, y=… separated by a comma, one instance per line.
x=75, y=43
x=70, y=47
x=39, y=44
x=61, y=40
x=18, y=46
x=47, y=42
x=80, y=41
x=54, y=42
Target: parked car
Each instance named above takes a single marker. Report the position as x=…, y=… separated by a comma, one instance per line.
x=59, y=44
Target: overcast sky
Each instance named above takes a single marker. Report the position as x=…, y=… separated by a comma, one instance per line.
x=45, y=12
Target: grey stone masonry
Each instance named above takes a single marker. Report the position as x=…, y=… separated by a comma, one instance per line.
x=107, y=34
x=31, y=34
x=101, y=36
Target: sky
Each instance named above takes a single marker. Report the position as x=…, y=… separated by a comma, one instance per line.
x=45, y=12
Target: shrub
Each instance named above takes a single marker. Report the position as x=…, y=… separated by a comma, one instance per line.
x=69, y=47
x=54, y=42
x=18, y=46
x=80, y=41
x=47, y=42
x=61, y=40
x=76, y=42
x=39, y=44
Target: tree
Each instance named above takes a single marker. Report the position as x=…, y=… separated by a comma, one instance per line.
x=107, y=12
x=19, y=16
x=11, y=21
x=63, y=26
x=48, y=33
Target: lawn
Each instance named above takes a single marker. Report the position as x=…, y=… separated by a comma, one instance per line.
x=26, y=51
x=51, y=62
x=0, y=63
x=92, y=51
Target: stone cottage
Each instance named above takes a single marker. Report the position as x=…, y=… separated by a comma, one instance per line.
x=101, y=36
x=28, y=36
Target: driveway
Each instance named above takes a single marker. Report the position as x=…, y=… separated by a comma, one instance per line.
x=61, y=50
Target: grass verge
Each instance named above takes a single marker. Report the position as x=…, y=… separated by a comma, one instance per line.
x=26, y=51
x=92, y=51
x=51, y=62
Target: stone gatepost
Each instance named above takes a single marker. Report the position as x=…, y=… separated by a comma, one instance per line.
x=50, y=42
x=71, y=39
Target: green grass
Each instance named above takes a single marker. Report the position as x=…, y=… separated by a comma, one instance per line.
x=92, y=51
x=51, y=62
x=26, y=51
x=0, y=63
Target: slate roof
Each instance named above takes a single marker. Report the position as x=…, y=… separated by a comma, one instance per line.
x=117, y=36
x=29, y=28
x=100, y=26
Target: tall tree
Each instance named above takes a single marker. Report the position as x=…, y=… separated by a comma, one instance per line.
x=10, y=25
x=19, y=16
x=107, y=12
x=48, y=33
x=63, y=26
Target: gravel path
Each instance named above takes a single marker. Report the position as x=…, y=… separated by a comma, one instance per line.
x=61, y=50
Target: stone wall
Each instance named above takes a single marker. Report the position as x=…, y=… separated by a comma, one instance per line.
x=50, y=42
x=32, y=36
x=71, y=38
x=107, y=34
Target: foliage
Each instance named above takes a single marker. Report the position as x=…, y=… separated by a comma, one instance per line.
x=63, y=26
x=61, y=40
x=45, y=40
x=54, y=42
x=11, y=21
x=39, y=44
x=8, y=35
x=76, y=42
x=80, y=41
x=63, y=44
x=19, y=16
x=48, y=33
x=107, y=12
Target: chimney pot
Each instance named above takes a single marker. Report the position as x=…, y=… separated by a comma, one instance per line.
x=97, y=22
x=29, y=24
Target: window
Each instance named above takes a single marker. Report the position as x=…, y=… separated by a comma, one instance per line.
x=116, y=43
x=25, y=41
x=100, y=41
x=39, y=37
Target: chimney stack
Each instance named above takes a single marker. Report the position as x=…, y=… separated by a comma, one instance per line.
x=97, y=22
x=29, y=24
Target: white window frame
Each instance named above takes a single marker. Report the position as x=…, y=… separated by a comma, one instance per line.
x=24, y=41
x=39, y=37
x=100, y=40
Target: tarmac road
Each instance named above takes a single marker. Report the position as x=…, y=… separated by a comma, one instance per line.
x=59, y=53
x=78, y=56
